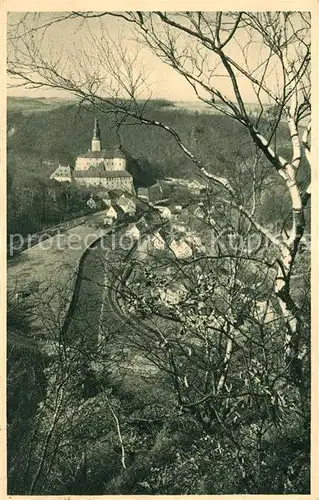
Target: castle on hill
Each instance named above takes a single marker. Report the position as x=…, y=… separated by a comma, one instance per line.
x=98, y=167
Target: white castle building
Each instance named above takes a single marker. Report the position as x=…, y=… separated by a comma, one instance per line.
x=102, y=167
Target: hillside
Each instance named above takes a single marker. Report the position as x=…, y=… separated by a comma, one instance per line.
x=61, y=133
x=34, y=105
x=54, y=133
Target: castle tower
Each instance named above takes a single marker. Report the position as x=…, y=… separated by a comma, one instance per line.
x=96, y=140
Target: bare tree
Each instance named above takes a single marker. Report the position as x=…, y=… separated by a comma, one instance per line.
x=66, y=362
x=220, y=55
x=210, y=323
x=199, y=46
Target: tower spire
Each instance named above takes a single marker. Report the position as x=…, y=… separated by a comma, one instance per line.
x=96, y=140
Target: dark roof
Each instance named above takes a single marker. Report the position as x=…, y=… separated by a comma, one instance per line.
x=97, y=168
x=104, y=153
x=119, y=209
x=106, y=173
x=155, y=192
x=142, y=192
x=96, y=130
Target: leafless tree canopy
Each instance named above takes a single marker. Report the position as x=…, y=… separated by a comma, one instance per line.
x=269, y=51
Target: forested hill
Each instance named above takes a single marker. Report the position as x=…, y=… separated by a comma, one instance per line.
x=39, y=139
x=63, y=132
x=29, y=105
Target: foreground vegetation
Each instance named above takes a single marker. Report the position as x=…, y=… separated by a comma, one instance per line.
x=96, y=424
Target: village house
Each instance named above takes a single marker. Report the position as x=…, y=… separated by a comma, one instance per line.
x=181, y=249
x=178, y=228
x=149, y=243
x=91, y=203
x=156, y=241
x=142, y=224
x=143, y=249
x=172, y=295
x=164, y=212
x=104, y=196
x=110, y=216
x=155, y=192
x=133, y=232
x=199, y=211
x=152, y=193
x=62, y=174
x=194, y=186
x=107, y=201
x=127, y=205
x=264, y=312
x=194, y=241
x=177, y=209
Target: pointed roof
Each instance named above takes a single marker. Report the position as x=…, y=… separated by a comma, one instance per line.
x=111, y=212
x=62, y=170
x=133, y=230
x=96, y=130
x=125, y=202
x=164, y=212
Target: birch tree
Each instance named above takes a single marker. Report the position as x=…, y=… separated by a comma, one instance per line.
x=200, y=45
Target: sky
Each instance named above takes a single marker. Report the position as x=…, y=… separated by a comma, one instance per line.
x=72, y=38
x=165, y=82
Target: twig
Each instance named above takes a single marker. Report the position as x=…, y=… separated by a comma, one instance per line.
x=118, y=428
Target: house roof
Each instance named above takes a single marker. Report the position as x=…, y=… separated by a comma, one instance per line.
x=104, y=154
x=164, y=212
x=132, y=226
x=125, y=202
x=62, y=170
x=110, y=212
x=156, y=237
x=155, y=192
x=161, y=208
x=99, y=173
x=142, y=192
x=181, y=248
